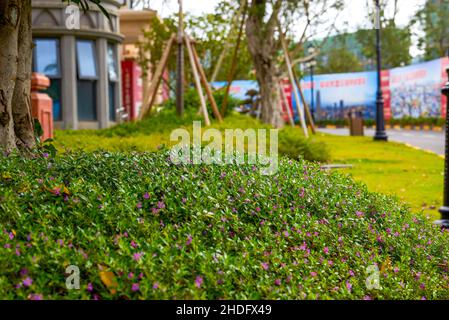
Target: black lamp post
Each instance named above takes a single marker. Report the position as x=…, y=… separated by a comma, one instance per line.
x=380, y=134
x=444, y=210
x=312, y=64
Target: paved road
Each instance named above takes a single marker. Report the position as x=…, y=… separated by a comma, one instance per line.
x=431, y=141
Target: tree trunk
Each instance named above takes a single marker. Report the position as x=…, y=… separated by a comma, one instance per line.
x=263, y=48
x=16, y=123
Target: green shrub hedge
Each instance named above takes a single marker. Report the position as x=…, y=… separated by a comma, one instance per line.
x=154, y=131
x=139, y=227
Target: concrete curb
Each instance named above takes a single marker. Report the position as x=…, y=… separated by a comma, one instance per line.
x=412, y=128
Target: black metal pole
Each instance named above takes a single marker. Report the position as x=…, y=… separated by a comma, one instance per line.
x=380, y=134
x=312, y=102
x=180, y=65
x=444, y=210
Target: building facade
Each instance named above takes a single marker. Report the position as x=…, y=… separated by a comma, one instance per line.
x=83, y=64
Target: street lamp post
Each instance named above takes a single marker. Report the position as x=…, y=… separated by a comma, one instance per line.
x=444, y=210
x=380, y=134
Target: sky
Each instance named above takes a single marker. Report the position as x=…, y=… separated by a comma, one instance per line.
x=353, y=17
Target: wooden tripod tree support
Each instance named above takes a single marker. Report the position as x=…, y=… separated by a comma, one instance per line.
x=304, y=102
x=157, y=78
x=292, y=81
x=199, y=76
x=197, y=82
x=296, y=87
x=206, y=84
x=229, y=42
x=234, y=61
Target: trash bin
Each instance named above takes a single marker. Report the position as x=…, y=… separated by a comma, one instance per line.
x=356, y=127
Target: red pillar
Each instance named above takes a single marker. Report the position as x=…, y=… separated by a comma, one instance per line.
x=42, y=104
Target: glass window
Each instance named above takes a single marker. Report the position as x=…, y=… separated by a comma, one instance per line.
x=54, y=91
x=112, y=111
x=112, y=63
x=87, y=105
x=46, y=57
x=87, y=65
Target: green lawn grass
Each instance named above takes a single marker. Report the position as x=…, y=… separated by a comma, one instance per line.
x=414, y=176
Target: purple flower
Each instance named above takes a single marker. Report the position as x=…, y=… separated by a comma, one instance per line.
x=23, y=272
x=139, y=205
x=189, y=240
x=156, y=286
x=90, y=287
x=161, y=205
x=146, y=196
x=135, y=287
x=351, y=273
x=184, y=200
x=277, y=282
x=130, y=275
x=133, y=244
x=34, y=296
x=367, y=298
x=313, y=274
x=45, y=155
x=348, y=285
x=286, y=234
x=27, y=282
x=359, y=214
x=198, y=281
x=60, y=242
x=265, y=265
x=137, y=256
x=326, y=250
x=396, y=269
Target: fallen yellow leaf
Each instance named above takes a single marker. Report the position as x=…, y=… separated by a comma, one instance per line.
x=109, y=280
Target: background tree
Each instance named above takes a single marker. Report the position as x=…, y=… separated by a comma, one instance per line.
x=16, y=122
x=210, y=32
x=264, y=45
x=339, y=60
x=433, y=19
x=395, y=40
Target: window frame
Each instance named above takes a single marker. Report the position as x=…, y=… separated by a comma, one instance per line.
x=78, y=64
x=58, y=57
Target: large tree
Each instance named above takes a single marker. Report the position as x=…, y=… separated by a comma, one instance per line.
x=265, y=19
x=16, y=122
x=433, y=18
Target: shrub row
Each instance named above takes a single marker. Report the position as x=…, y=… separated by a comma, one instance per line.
x=139, y=227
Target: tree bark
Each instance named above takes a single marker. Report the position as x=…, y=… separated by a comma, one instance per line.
x=263, y=48
x=16, y=123
x=23, y=121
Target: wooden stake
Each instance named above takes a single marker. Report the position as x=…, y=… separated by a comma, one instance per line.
x=228, y=41
x=234, y=62
x=198, y=83
x=157, y=77
x=304, y=102
x=206, y=85
x=292, y=81
x=287, y=105
x=180, y=64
